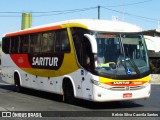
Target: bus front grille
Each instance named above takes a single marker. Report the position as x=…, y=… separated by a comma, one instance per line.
x=125, y=88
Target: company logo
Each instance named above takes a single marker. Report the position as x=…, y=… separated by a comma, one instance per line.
x=46, y=61
x=127, y=88
x=121, y=83
x=21, y=60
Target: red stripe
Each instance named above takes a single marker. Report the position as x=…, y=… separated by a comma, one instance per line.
x=21, y=60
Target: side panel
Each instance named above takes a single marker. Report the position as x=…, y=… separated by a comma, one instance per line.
x=7, y=69
x=43, y=71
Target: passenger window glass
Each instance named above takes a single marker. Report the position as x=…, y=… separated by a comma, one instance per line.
x=6, y=45
x=65, y=42
x=47, y=42
x=24, y=44
x=82, y=46
x=14, y=44
x=35, y=43
x=62, y=41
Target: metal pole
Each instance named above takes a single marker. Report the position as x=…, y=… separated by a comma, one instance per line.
x=99, y=12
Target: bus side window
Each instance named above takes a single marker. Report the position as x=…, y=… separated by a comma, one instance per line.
x=24, y=44
x=65, y=42
x=81, y=46
x=15, y=44
x=62, y=41
x=86, y=53
x=47, y=42
x=51, y=40
x=77, y=45
x=57, y=42
x=6, y=45
x=35, y=43
x=83, y=50
x=44, y=43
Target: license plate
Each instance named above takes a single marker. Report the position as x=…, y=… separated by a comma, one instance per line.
x=127, y=95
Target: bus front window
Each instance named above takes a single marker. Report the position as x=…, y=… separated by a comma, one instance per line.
x=121, y=55
x=108, y=50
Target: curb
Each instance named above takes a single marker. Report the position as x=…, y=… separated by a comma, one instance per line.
x=155, y=78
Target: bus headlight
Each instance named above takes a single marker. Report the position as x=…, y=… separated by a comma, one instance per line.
x=100, y=84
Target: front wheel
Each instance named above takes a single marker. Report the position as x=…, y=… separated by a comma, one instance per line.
x=68, y=93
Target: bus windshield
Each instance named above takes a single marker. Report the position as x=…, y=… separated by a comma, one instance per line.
x=121, y=55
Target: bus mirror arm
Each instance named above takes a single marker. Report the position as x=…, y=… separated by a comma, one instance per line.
x=93, y=42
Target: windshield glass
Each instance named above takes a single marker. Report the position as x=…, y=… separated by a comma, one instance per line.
x=121, y=54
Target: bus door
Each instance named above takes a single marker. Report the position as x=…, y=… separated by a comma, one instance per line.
x=87, y=63
x=83, y=53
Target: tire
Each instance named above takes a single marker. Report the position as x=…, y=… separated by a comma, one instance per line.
x=17, y=82
x=68, y=93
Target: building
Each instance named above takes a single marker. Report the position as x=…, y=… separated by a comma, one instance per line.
x=152, y=38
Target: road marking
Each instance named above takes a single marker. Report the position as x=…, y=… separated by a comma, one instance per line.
x=4, y=84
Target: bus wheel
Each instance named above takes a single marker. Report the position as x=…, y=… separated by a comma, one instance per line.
x=17, y=82
x=68, y=93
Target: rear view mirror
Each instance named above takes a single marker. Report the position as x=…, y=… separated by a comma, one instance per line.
x=93, y=42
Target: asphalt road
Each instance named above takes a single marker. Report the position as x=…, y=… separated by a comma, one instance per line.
x=31, y=100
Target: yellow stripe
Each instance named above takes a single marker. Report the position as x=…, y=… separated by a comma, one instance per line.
x=104, y=80
x=74, y=25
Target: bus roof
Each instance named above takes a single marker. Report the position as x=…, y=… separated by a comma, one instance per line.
x=91, y=24
x=153, y=32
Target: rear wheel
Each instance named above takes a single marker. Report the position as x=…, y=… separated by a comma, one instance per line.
x=68, y=93
x=17, y=82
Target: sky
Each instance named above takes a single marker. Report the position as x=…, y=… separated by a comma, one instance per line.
x=143, y=13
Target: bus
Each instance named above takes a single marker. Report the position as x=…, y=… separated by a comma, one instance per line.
x=94, y=60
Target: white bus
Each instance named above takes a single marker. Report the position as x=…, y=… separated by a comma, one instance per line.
x=95, y=60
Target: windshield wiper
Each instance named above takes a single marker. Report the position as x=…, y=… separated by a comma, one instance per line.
x=133, y=65
x=121, y=61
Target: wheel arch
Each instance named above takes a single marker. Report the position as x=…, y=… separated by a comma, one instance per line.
x=17, y=73
x=69, y=78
